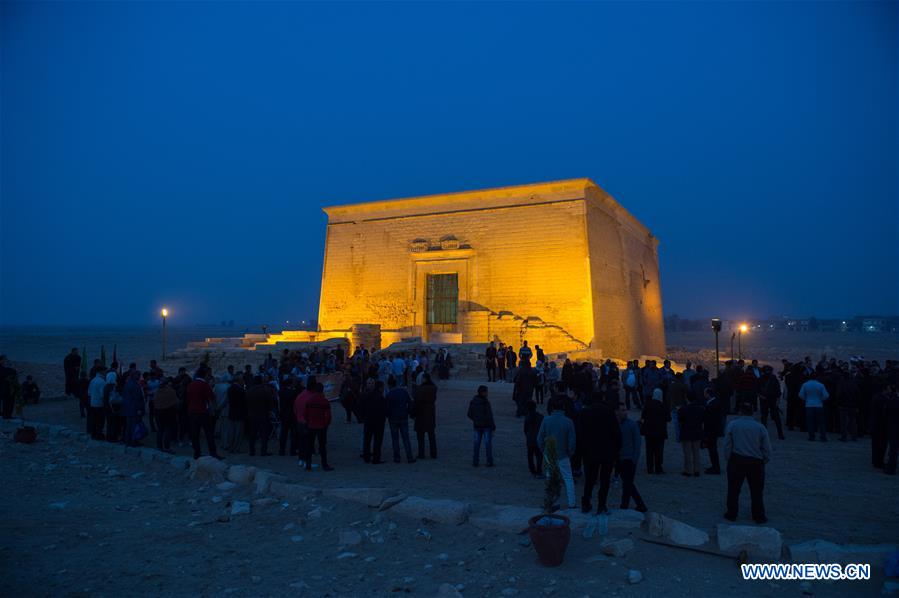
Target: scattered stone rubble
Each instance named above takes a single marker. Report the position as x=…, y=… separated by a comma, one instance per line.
x=761, y=544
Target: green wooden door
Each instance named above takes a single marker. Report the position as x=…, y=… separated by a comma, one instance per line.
x=443, y=302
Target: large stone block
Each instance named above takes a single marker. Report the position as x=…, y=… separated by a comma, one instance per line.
x=208, y=468
x=241, y=474
x=440, y=510
x=293, y=492
x=674, y=531
x=504, y=518
x=371, y=497
x=264, y=479
x=760, y=543
x=822, y=551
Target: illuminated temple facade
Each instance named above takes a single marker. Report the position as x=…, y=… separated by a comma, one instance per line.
x=559, y=264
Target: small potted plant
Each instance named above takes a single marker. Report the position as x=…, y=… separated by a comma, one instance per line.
x=550, y=533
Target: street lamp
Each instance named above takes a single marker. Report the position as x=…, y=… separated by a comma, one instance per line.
x=165, y=314
x=716, y=326
x=743, y=328
x=733, y=335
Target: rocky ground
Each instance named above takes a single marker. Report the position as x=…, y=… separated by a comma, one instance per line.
x=92, y=519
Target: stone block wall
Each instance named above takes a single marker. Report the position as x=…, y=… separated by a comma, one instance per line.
x=625, y=281
x=528, y=260
x=559, y=264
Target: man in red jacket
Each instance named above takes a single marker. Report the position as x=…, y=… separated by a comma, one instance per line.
x=200, y=400
x=317, y=413
x=299, y=411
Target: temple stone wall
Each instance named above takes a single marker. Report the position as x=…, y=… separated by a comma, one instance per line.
x=627, y=301
x=552, y=263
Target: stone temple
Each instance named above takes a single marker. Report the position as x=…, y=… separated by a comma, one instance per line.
x=559, y=264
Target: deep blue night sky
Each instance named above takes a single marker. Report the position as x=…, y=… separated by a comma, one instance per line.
x=180, y=153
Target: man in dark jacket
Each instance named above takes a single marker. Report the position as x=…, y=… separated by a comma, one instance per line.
x=523, y=391
x=374, y=415
x=600, y=435
x=490, y=362
x=237, y=415
x=424, y=407
x=481, y=415
x=847, y=402
x=290, y=388
x=166, y=400
x=31, y=392
x=132, y=407
x=769, y=395
x=260, y=404
x=891, y=415
x=317, y=414
x=70, y=365
x=399, y=403
x=655, y=419
x=690, y=419
x=511, y=359
x=794, y=378
x=747, y=389
x=532, y=421
x=878, y=426
x=713, y=428
x=677, y=395
x=7, y=388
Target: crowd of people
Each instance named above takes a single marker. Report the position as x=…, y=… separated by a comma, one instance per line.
x=284, y=402
x=852, y=398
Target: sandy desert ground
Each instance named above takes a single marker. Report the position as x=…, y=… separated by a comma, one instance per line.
x=150, y=530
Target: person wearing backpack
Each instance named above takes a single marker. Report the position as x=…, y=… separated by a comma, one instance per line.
x=630, y=386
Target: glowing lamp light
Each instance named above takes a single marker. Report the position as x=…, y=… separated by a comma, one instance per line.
x=164, y=312
x=744, y=328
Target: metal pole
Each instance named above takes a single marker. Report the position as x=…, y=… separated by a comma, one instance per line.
x=163, y=338
x=717, y=359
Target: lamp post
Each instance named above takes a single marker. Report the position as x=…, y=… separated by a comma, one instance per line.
x=733, y=335
x=743, y=328
x=716, y=326
x=165, y=314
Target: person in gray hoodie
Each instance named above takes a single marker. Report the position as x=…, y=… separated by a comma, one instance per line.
x=562, y=429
